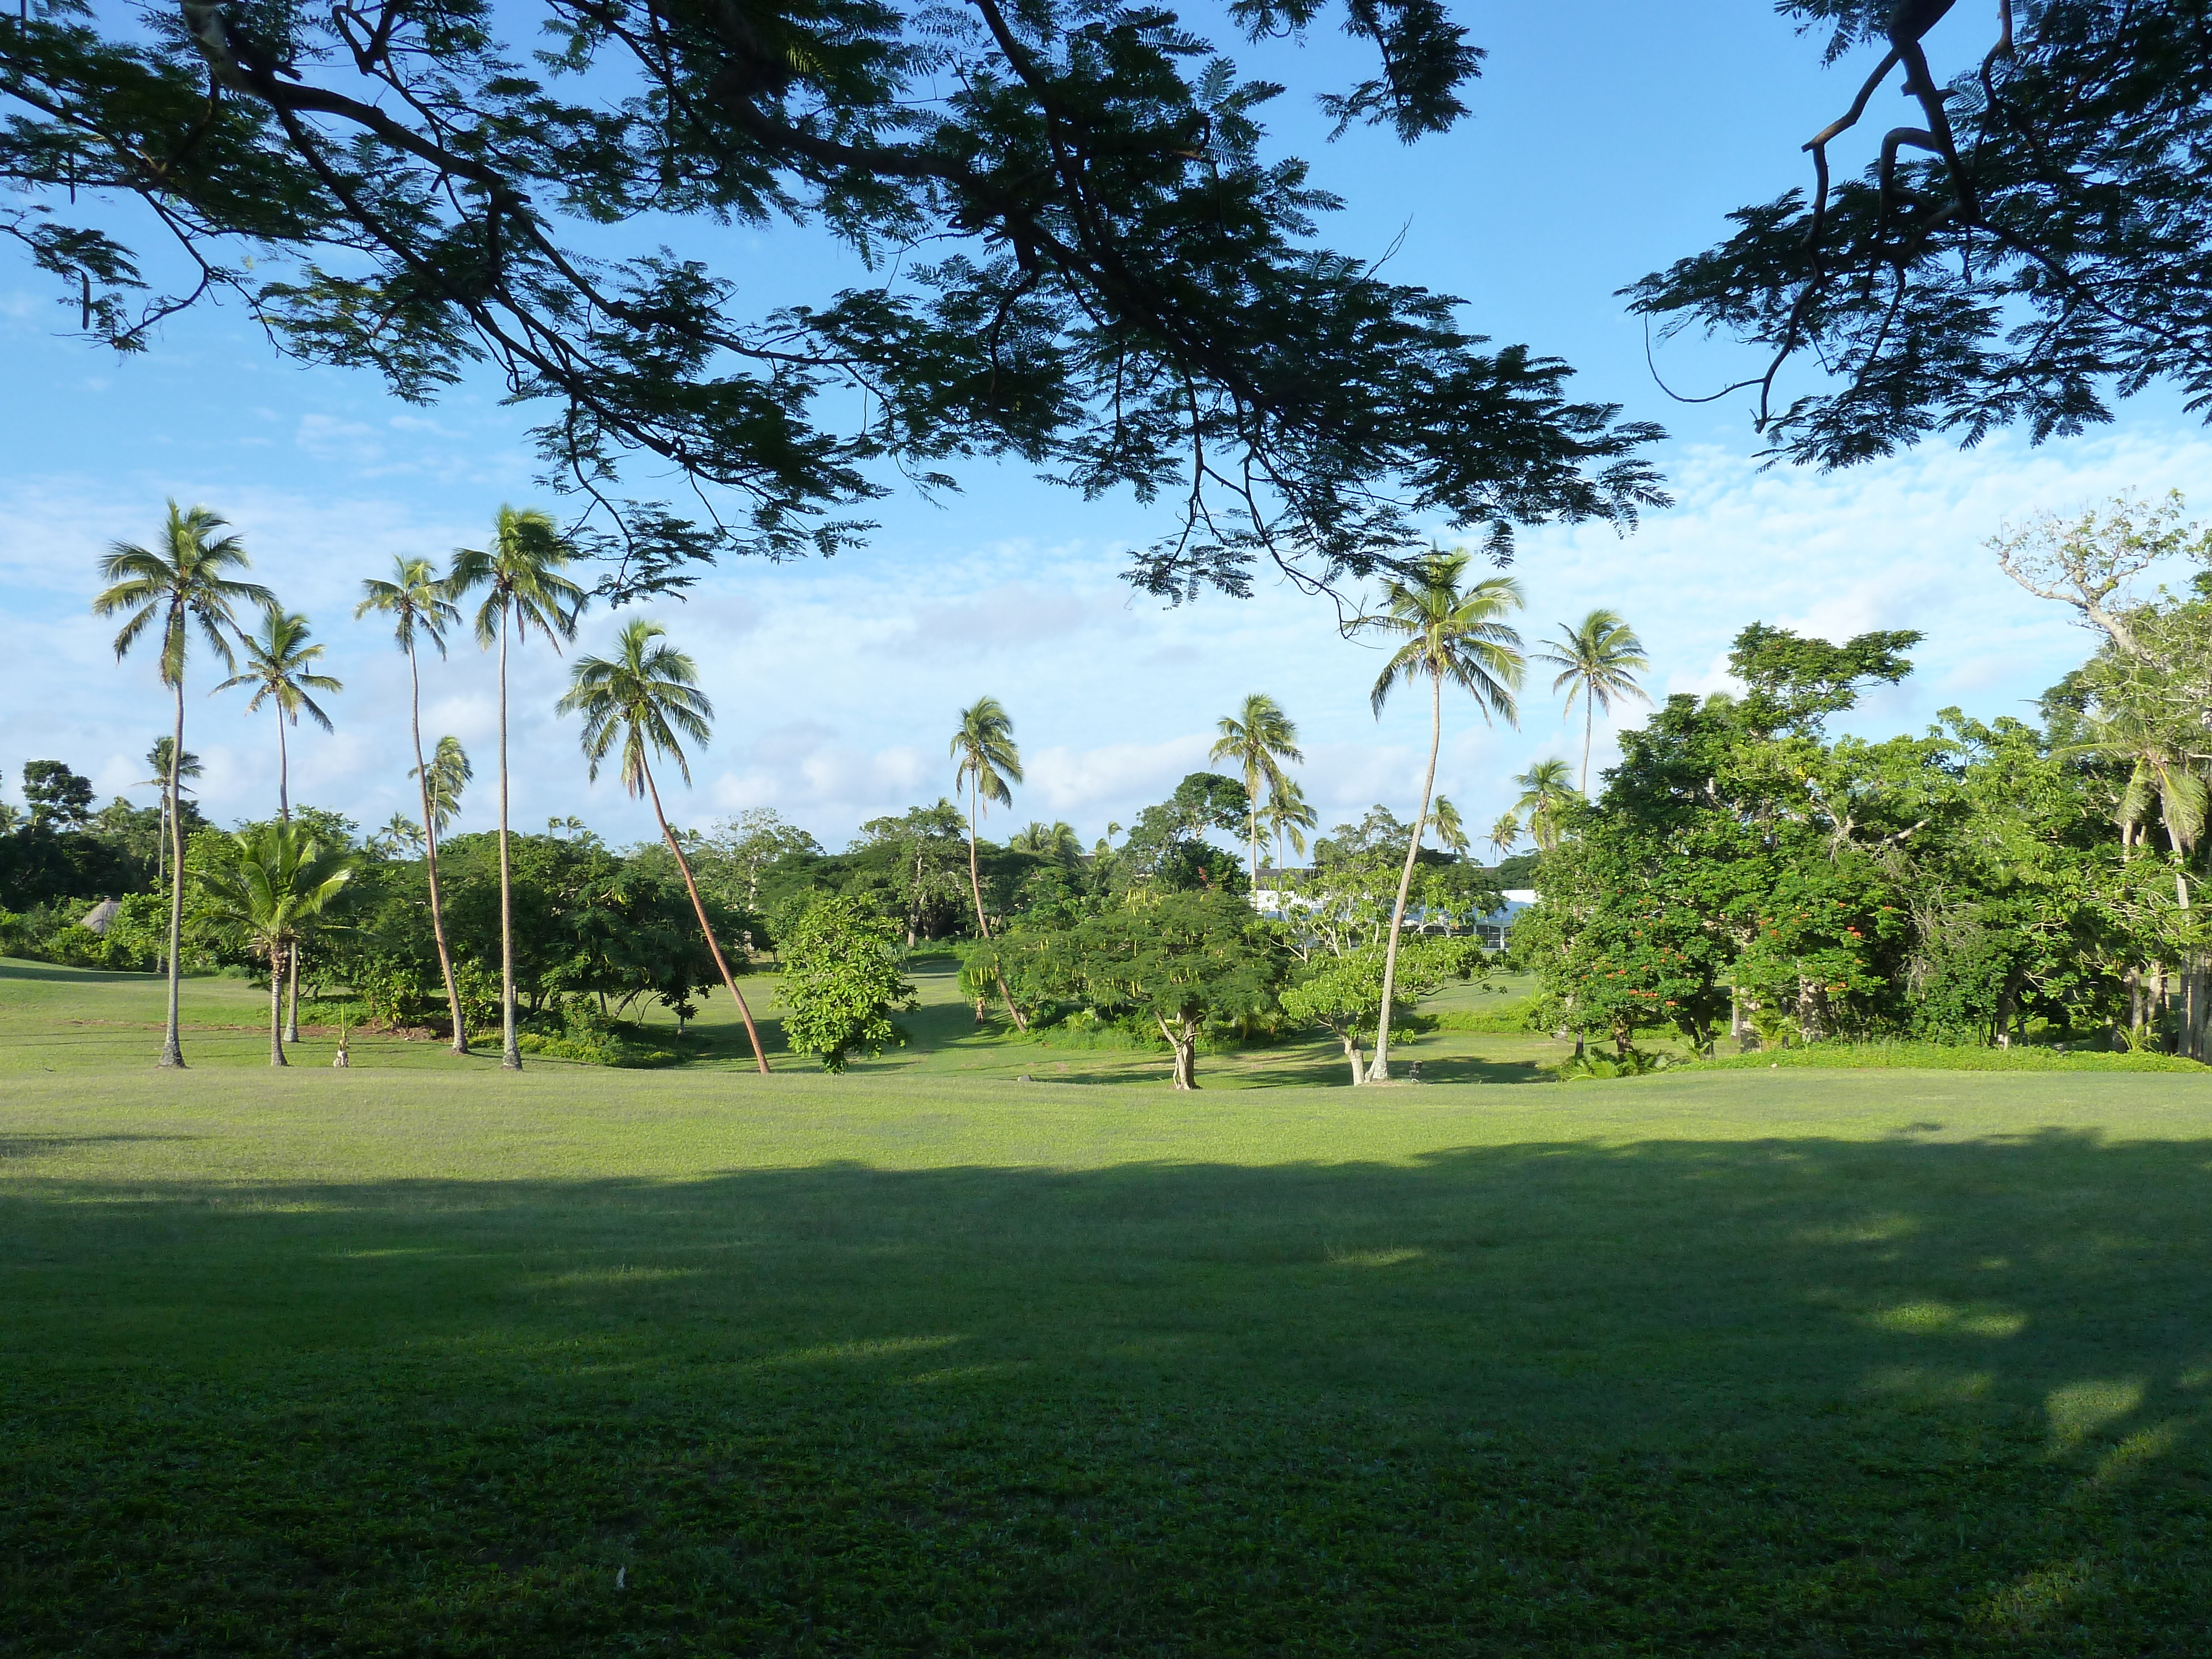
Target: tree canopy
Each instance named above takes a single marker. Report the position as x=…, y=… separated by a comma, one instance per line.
x=1117, y=283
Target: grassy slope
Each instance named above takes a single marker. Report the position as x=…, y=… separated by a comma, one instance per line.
x=593, y=1362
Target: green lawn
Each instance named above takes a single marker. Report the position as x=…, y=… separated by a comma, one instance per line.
x=420, y=1357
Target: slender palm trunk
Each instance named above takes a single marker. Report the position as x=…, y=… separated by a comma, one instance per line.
x=983, y=927
x=1379, y=1069
x=510, y=1053
x=284, y=816
x=430, y=857
x=1588, y=716
x=275, y=1006
x=172, y=1052
x=699, y=909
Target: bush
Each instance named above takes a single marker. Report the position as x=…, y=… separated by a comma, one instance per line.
x=1942, y=1057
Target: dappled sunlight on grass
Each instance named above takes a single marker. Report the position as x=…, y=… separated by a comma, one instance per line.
x=1942, y=1319
x=2082, y=1409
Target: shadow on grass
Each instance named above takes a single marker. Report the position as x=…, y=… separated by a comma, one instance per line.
x=1800, y=1396
x=17, y=968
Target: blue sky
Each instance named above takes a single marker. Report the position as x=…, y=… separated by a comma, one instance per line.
x=1607, y=140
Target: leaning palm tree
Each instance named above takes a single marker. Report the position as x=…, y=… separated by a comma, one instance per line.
x=279, y=666
x=2160, y=783
x=283, y=881
x=1451, y=832
x=984, y=745
x=421, y=607
x=1259, y=737
x=1598, y=659
x=183, y=583
x=520, y=572
x=1505, y=835
x=1450, y=633
x=645, y=695
x=157, y=762
x=1546, y=793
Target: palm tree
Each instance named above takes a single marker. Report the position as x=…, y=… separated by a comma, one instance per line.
x=984, y=745
x=1598, y=659
x=1451, y=833
x=443, y=780
x=2159, y=782
x=1504, y=835
x=183, y=583
x=646, y=693
x=157, y=762
x=284, y=880
x=1288, y=816
x=521, y=573
x=1259, y=737
x=278, y=665
x=1453, y=634
x=1050, y=840
x=421, y=606
x=1546, y=793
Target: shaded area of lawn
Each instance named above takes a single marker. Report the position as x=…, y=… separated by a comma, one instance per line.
x=1808, y=1397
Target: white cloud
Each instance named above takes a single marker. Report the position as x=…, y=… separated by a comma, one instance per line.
x=836, y=686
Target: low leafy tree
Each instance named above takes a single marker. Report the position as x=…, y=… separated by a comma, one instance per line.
x=843, y=982
x=1344, y=994
x=1177, y=962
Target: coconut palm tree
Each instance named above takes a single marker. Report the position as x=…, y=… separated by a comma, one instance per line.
x=984, y=745
x=283, y=881
x=157, y=762
x=1050, y=840
x=1288, y=817
x=1449, y=632
x=1259, y=737
x=1504, y=835
x=520, y=572
x=645, y=695
x=2160, y=783
x=1546, y=793
x=279, y=667
x=421, y=607
x=444, y=779
x=183, y=583
x=1598, y=659
x=1451, y=833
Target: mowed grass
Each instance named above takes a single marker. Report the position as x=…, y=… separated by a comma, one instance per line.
x=427, y=1358
x=61, y=1019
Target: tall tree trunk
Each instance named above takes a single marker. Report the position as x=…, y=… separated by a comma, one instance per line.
x=276, y=1008
x=1358, y=1062
x=699, y=909
x=1379, y=1069
x=173, y=1051
x=983, y=927
x=284, y=816
x=510, y=1053
x=430, y=856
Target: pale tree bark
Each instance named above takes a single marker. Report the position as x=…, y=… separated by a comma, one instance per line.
x=699, y=909
x=172, y=1052
x=430, y=856
x=275, y=1006
x=510, y=1053
x=982, y=926
x=1184, y=1041
x=1379, y=1069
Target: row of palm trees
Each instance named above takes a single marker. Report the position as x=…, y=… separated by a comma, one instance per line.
x=645, y=699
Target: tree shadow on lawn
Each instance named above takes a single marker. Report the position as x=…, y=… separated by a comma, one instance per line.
x=1801, y=1397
